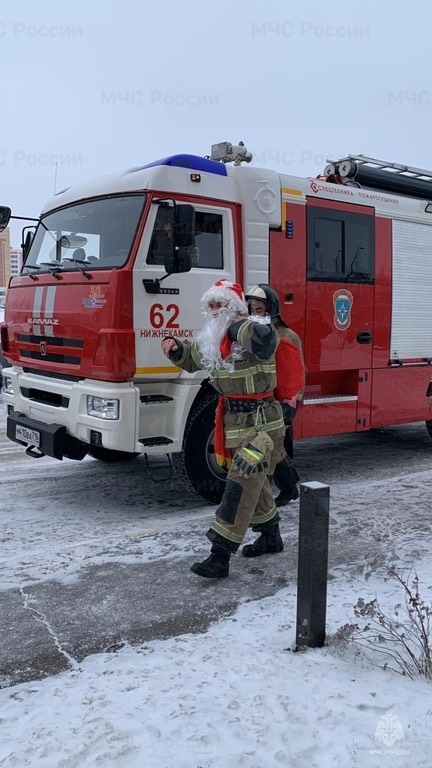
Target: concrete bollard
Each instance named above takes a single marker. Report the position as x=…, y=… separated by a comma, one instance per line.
x=312, y=565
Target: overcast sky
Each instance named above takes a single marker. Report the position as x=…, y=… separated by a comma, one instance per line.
x=91, y=88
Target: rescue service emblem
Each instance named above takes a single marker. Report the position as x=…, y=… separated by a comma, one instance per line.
x=95, y=299
x=342, y=303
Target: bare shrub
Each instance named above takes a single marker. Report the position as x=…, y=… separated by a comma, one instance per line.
x=400, y=641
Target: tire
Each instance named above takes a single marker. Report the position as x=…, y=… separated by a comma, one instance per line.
x=196, y=465
x=429, y=427
x=105, y=454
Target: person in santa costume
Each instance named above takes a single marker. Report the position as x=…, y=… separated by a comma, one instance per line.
x=239, y=354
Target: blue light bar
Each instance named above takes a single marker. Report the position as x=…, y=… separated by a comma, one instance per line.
x=192, y=162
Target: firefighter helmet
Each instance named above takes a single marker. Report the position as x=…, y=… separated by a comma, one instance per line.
x=268, y=295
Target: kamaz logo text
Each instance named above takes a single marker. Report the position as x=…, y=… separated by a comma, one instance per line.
x=42, y=321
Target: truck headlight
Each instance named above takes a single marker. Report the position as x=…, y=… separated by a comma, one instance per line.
x=7, y=385
x=103, y=408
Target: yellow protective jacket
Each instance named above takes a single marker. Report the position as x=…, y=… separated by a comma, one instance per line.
x=255, y=373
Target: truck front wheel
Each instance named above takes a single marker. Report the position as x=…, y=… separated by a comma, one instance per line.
x=196, y=465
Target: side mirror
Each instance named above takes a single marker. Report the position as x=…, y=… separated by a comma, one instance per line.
x=27, y=241
x=5, y=215
x=180, y=251
x=179, y=261
x=184, y=225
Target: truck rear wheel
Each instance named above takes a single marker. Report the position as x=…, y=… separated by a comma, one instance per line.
x=196, y=465
x=105, y=454
x=429, y=427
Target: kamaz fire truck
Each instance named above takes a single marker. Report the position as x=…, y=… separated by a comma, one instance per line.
x=115, y=265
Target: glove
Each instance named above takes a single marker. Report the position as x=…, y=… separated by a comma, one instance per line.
x=288, y=412
x=252, y=457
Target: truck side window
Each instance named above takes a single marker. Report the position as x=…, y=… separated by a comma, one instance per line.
x=208, y=240
x=161, y=243
x=340, y=246
x=207, y=251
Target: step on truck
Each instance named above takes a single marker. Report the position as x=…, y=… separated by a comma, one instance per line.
x=115, y=265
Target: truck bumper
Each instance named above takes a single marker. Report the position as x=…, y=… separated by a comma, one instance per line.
x=43, y=439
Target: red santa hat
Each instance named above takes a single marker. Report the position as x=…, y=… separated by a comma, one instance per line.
x=228, y=294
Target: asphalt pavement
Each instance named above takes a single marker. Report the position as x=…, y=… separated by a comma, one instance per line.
x=52, y=626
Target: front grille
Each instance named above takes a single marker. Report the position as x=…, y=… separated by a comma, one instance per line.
x=43, y=346
x=52, y=374
x=53, y=341
x=47, y=398
x=50, y=357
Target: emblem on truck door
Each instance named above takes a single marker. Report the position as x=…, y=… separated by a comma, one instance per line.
x=342, y=302
x=96, y=298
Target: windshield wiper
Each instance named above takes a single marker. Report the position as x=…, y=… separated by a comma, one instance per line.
x=32, y=266
x=53, y=269
x=81, y=264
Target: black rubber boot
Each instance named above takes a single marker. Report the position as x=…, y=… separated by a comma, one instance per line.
x=286, y=478
x=268, y=543
x=216, y=566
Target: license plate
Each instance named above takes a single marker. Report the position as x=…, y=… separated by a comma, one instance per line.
x=31, y=436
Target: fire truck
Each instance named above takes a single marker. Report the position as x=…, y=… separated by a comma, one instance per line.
x=115, y=265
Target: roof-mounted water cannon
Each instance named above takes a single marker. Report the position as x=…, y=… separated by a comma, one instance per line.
x=224, y=152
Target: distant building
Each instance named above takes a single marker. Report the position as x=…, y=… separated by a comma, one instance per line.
x=5, y=262
x=15, y=260
x=10, y=259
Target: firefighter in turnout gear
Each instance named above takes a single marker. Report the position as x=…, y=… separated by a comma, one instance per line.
x=239, y=355
x=263, y=301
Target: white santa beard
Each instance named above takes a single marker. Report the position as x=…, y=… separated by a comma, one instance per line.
x=210, y=337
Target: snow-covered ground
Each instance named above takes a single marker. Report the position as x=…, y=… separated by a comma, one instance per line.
x=234, y=696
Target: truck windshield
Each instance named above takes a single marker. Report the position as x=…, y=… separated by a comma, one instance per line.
x=94, y=234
